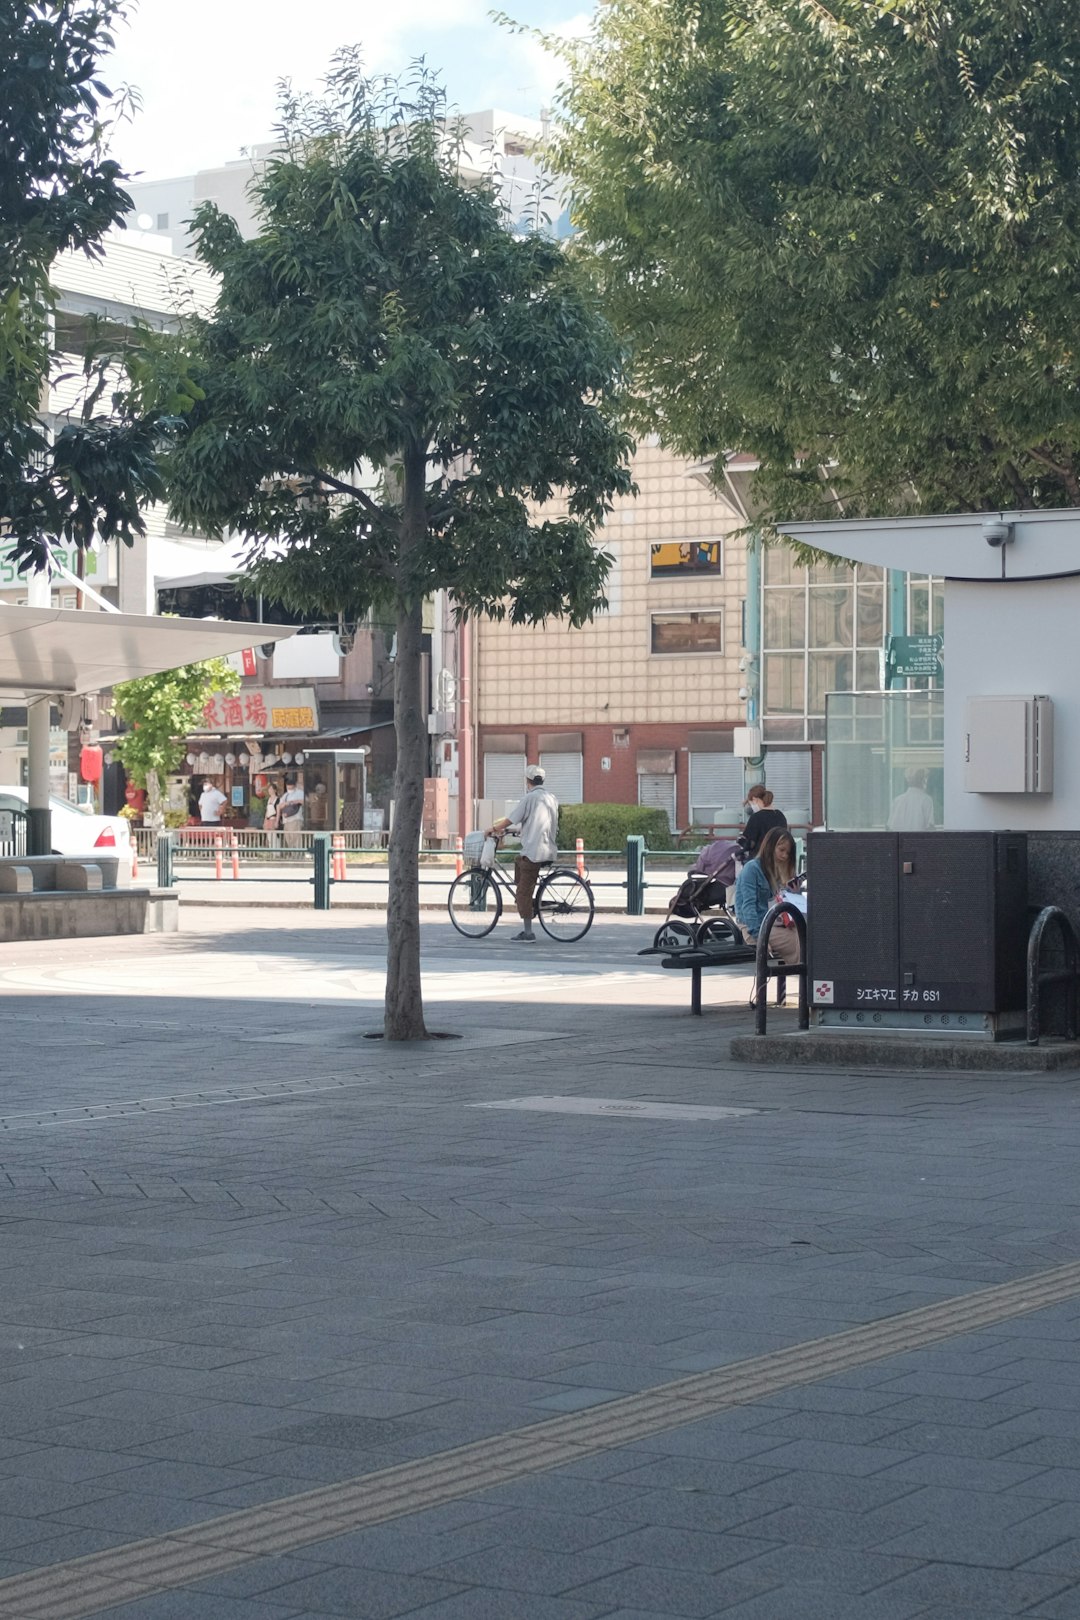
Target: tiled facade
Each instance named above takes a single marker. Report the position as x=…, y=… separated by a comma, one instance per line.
x=611, y=682
x=606, y=673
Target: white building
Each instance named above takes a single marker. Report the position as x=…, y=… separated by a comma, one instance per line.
x=494, y=142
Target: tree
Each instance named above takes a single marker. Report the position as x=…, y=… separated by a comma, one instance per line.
x=160, y=711
x=844, y=237
x=391, y=382
x=58, y=191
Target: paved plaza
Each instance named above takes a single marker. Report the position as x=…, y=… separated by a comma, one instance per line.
x=569, y=1317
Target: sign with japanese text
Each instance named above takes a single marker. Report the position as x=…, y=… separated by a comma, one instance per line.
x=289, y=709
x=913, y=655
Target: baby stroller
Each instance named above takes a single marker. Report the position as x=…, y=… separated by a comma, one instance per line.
x=698, y=914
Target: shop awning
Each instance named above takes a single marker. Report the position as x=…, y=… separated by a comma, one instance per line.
x=178, y=567
x=65, y=651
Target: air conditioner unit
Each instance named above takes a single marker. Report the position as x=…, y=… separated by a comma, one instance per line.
x=1009, y=745
x=746, y=742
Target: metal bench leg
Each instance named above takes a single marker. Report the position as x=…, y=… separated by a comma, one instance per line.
x=695, y=990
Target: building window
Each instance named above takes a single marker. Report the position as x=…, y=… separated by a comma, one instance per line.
x=163, y=222
x=687, y=632
x=822, y=631
x=675, y=557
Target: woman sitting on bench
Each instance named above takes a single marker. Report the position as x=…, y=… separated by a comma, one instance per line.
x=759, y=883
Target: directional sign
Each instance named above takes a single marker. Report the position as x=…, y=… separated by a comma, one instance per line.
x=913, y=655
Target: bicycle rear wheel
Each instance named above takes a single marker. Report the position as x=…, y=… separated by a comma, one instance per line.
x=474, y=903
x=565, y=906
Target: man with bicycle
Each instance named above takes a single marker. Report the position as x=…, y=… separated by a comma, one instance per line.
x=535, y=820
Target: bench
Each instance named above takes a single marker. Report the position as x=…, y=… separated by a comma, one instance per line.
x=696, y=962
x=70, y=874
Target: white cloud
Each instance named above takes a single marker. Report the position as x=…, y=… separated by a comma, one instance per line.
x=546, y=69
x=207, y=69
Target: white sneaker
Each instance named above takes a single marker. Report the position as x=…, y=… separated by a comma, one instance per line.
x=523, y=935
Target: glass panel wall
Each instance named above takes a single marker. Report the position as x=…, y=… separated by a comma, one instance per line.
x=822, y=631
x=884, y=760
x=824, y=626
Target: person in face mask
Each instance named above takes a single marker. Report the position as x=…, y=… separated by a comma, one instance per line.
x=762, y=819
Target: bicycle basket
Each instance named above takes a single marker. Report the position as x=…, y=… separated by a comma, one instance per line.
x=474, y=846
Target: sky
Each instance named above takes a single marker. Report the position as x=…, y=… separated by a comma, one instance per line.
x=207, y=70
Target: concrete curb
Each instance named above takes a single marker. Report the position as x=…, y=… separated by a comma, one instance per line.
x=828, y=1050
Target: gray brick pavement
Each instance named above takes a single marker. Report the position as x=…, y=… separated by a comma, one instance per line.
x=211, y=1300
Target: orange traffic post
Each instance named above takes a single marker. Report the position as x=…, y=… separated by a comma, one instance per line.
x=337, y=843
x=579, y=846
x=459, y=855
x=134, y=858
x=234, y=851
x=218, y=843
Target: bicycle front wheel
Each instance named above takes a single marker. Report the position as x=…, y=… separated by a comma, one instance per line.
x=474, y=903
x=565, y=906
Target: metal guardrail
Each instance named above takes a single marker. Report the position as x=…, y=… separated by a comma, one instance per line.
x=246, y=855
x=1037, y=977
x=13, y=832
x=764, y=969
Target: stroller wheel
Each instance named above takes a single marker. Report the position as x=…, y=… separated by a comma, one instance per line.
x=718, y=931
x=673, y=936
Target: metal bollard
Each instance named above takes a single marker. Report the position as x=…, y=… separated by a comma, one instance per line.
x=320, y=849
x=165, y=860
x=579, y=850
x=635, y=875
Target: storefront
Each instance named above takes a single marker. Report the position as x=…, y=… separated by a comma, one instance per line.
x=249, y=743
x=264, y=737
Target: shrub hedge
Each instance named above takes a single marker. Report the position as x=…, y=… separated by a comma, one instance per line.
x=607, y=826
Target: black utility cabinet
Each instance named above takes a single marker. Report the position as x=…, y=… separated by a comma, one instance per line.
x=917, y=924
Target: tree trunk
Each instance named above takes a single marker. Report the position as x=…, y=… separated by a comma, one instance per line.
x=404, y=1008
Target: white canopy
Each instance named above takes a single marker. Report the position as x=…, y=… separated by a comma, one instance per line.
x=174, y=565
x=56, y=650
x=965, y=545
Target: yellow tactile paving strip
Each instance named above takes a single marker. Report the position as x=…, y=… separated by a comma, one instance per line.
x=85, y=1586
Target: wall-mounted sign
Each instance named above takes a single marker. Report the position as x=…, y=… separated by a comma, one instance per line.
x=289, y=709
x=913, y=655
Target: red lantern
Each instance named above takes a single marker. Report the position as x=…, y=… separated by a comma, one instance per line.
x=90, y=763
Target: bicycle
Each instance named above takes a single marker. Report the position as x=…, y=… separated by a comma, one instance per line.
x=563, y=903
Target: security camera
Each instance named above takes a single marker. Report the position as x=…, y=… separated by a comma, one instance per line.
x=996, y=532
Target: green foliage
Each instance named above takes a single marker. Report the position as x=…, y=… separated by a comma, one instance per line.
x=161, y=710
x=58, y=192
x=385, y=312
x=845, y=239
x=608, y=826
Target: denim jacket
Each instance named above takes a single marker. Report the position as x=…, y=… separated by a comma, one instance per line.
x=753, y=896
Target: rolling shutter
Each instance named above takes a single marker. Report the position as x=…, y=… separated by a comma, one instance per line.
x=716, y=782
x=504, y=776
x=563, y=776
x=787, y=774
x=657, y=792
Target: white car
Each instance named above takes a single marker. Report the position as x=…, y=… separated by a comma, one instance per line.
x=74, y=831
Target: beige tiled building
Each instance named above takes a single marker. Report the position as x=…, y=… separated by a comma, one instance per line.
x=639, y=706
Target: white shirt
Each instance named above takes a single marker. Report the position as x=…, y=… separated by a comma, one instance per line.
x=211, y=800
x=537, y=819
x=291, y=806
x=912, y=811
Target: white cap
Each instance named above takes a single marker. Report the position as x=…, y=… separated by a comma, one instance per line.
x=534, y=773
